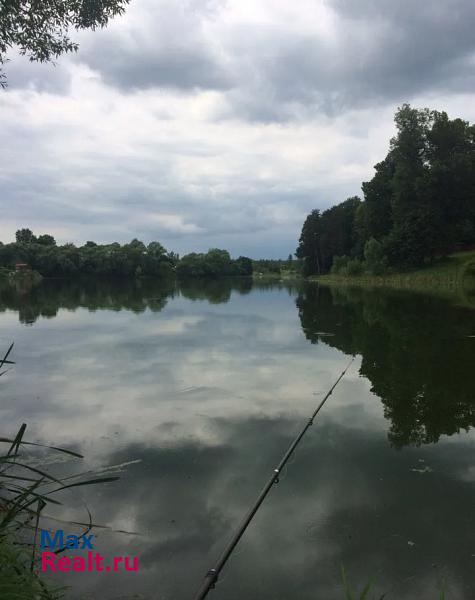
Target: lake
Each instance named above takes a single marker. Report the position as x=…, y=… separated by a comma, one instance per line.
x=193, y=392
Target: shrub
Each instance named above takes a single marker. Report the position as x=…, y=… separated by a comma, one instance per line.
x=376, y=261
x=354, y=267
x=339, y=265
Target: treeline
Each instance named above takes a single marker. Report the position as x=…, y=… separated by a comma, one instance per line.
x=134, y=259
x=215, y=263
x=419, y=206
x=279, y=267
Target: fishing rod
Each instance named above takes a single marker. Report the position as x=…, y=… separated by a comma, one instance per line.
x=213, y=574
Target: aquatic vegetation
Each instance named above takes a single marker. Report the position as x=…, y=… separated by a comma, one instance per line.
x=363, y=595
x=25, y=491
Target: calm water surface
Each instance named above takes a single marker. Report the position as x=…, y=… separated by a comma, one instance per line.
x=193, y=393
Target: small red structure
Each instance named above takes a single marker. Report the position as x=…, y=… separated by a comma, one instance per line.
x=22, y=267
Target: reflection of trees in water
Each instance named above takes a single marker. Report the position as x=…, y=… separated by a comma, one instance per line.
x=46, y=299
x=215, y=291
x=134, y=294
x=415, y=351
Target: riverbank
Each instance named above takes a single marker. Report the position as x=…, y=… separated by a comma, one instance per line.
x=454, y=273
x=283, y=275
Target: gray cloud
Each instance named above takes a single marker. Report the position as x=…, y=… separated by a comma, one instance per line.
x=135, y=68
x=379, y=52
x=24, y=74
x=206, y=123
x=383, y=52
x=164, y=48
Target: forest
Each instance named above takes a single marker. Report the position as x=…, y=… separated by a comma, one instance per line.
x=42, y=254
x=418, y=207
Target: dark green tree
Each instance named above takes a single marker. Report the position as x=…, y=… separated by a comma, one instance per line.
x=308, y=247
x=328, y=234
x=378, y=196
x=337, y=235
x=375, y=258
x=244, y=266
x=451, y=180
x=414, y=233
x=419, y=205
x=46, y=240
x=25, y=236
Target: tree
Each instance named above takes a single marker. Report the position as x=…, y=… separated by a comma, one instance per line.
x=25, y=236
x=218, y=262
x=244, y=266
x=46, y=240
x=192, y=265
x=45, y=256
x=156, y=261
x=419, y=205
x=40, y=28
x=328, y=234
x=215, y=263
x=308, y=247
x=414, y=223
x=375, y=259
x=155, y=250
x=378, y=195
x=451, y=180
x=361, y=232
x=337, y=232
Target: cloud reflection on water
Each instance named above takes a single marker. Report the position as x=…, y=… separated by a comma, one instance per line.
x=208, y=396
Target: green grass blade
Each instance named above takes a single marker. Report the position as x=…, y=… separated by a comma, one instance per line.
x=16, y=442
x=88, y=482
x=71, y=452
x=38, y=471
x=346, y=584
x=4, y=359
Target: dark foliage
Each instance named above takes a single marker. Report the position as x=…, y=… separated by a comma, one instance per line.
x=135, y=259
x=43, y=255
x=215, y=263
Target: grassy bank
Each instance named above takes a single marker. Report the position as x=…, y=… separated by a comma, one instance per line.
x=283, y=274
x=452, y=274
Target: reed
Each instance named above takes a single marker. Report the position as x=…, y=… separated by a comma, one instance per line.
x=363, y=595
x=25, y=492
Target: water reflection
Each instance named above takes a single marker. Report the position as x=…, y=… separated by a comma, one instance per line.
x=136, y=295
x=206, y=384
x=416, y=351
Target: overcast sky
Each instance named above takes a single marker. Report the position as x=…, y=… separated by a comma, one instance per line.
x=222, y=123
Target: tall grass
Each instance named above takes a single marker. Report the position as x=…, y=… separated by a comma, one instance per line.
x=25, y=491
x=363, y=595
